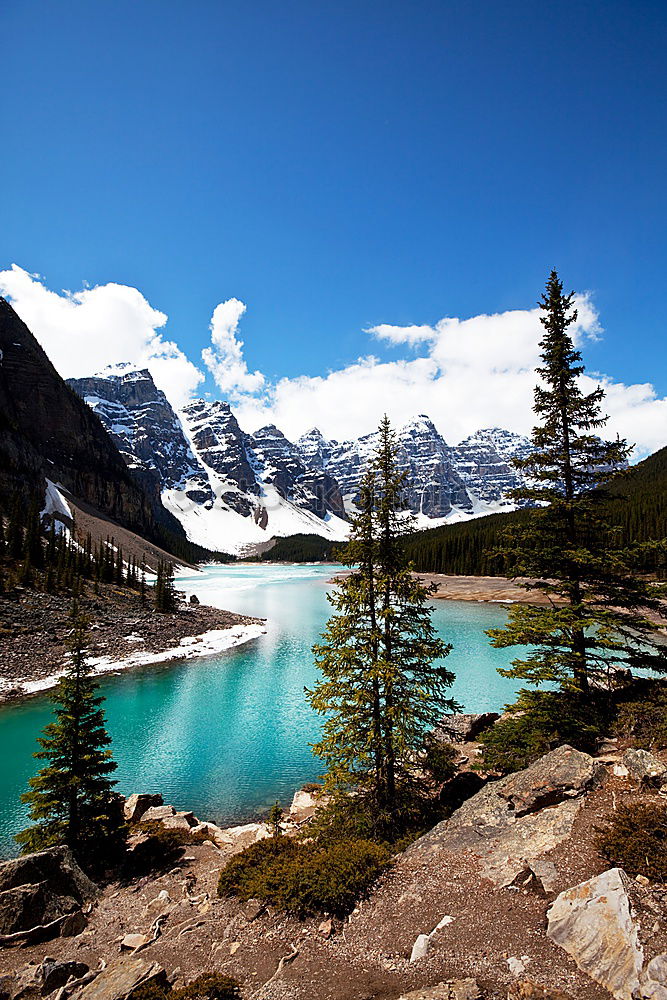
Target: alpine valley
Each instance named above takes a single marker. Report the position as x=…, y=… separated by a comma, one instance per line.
x=234, y=491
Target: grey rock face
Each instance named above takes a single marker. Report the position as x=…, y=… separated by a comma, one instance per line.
x=223, y=447
x=145, y=429
x=433, y=485
x=507, y=824
x=484, y=462
x=40, y=888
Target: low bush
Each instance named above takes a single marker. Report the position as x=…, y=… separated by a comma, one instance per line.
x=541, y=721
x=209, y=986
x=642, y=714
x=440, y=761
x=636, y=840
x=305, y=878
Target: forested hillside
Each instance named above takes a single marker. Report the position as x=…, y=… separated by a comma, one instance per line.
x=637, y=505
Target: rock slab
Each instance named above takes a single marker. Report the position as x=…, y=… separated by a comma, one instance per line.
x=593, y=923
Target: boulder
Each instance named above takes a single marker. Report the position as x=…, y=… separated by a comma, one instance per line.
x=593, y=923
x=55, y=866
x=56, y=974
x=73, y=924
x=507, y=824
x=178, y=822
x=39, y=890
x=137, y=804
x=132, y=941
x=645, y=767
x=304, y=805
x=654, y=980
x=563, y=773
x=157, y=814
x=212, y=831
x=122, y=978
x=453, y=989
x=240, y=837
x=465, y=727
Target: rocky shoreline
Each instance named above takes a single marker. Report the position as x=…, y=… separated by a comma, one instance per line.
x=507, y=899
x=124, y=633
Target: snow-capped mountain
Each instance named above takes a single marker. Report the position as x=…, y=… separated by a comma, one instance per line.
x=484, y=462
x=144, y=428
x=232, y=490
x=228, y=489
x=433, y=484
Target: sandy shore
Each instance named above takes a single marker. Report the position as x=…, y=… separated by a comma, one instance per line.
x=495, y=589
x=122, y=634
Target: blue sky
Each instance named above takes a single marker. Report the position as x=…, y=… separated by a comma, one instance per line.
x=341, y=166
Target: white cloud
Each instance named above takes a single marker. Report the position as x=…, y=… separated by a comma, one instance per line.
x=224, y=358
x=83, y=332
x=477, y=372
x=402, y=334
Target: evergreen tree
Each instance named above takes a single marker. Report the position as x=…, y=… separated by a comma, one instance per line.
x=71, y=798
x=165, y=592
x=381, y=692
x=596, y=616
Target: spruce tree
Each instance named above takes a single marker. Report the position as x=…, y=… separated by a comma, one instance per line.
x=596, y=616
x=71, y=798
x=165, y=593
x=381, y=692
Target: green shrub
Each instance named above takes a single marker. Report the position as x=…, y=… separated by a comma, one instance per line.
x=642, y=714
x=305, y=878
x=541, y=721
x=439, y=761
x=313, y=787
x=636, y=840
x=208, y=986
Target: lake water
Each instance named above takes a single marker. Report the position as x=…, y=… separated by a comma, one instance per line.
x=228, y=735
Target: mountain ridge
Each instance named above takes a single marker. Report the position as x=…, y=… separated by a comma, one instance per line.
x=234, y=490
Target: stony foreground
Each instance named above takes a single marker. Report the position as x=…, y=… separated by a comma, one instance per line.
x=507, y=899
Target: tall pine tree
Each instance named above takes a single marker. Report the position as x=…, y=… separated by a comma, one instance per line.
x=71, y=798
x=598, y=612
x=381, y=691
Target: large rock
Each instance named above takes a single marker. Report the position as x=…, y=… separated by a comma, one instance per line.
x=512, y=822
x=157, y=814
x=645, y=767
x=56, y=974
x=243, y=836
x=123, y=978
x=654, y=980
x=137, y=804
x=40, y=888
x=465, y=727
x=593, y=923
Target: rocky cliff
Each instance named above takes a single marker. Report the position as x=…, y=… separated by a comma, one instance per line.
x=47, y=431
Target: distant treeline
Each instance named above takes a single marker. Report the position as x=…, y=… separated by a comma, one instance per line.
x=303, y=548
x=637, y=505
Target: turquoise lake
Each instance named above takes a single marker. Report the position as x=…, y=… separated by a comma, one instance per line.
x=227, y=735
